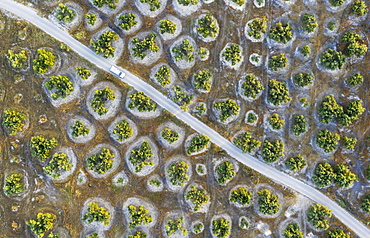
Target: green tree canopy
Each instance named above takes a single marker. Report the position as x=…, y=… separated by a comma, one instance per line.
x=344, y=177
x=241, y=196
x=247, y=143
x=272, y=151
x=62, y=86
x=44, y=223
x=268, y=203
x=102, y=162
x=103, y=45
x=96, y=213
x=16, y=60
x=139, y=157
x=13, y=121
x=44, y=59
x=317, y=215
x=324, y=175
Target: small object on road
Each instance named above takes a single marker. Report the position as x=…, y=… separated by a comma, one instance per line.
x=117, y=72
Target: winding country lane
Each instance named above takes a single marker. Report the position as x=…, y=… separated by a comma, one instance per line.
x=270, y=172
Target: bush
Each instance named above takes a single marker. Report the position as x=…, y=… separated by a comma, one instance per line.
x=62, y=84
x=96, y=213
x=299, y=125
x=323, y=175
x=146, y=44
x=138, y=234
x=153, y=4
x=354, y=44
x=355, y=79
x=79, y=129
x=233, y=54
x=327, y=140
x=197, y=144
x=317, y=215
x=41, y=147
x=276, y=122
x=123, y=130
x=359, y=8
x=365, y=204
x=221, y=228
x=332, y=59
x=188, y=2
x=198, y=228
x=184, y=51
x=103, y=45
x=256, y=58
x=268, y=203
x=13, y=121
x=44, y=59
x=352, y=112
x=169, y=135
x=239, y=2
x=207, y=26
x=177, y=173
x=173, y=226
x=182, y=99
x=337, y=233
x=278, y=62
x=91, y=18
x=281, y=32
x=127, y=21
x=241, y=196
x=167, y=26
x=303, y=79
x=63, y=13
x=251, y=118
x=309, y=22
x=163, y=75
x=140, y=156
x=293, y=231
x=101, y=96
x=228, y=108
x=58, y=163
x=43, y=224
x=102, y=162
x=367, y=172
x=243, y=223
x=155, y=183
x=331, y=26
x=16, y=60
x=344, y=177
x=203, y=53
x=296, y=163
x=336, y=3
x=139, y=216
x=278, y=92
x=329, y=109
x=247, y=143
x=83, y=72
x=141, y=102
x=198, y=197
x=202, y=80
x=225, y=172
x=252, y=86
x=258, y=27
x=349, y=143
x=272, y=151
x=200, y=109
x=101, y=3
x=306, y=50
x=304, y=102
x=13, y=184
